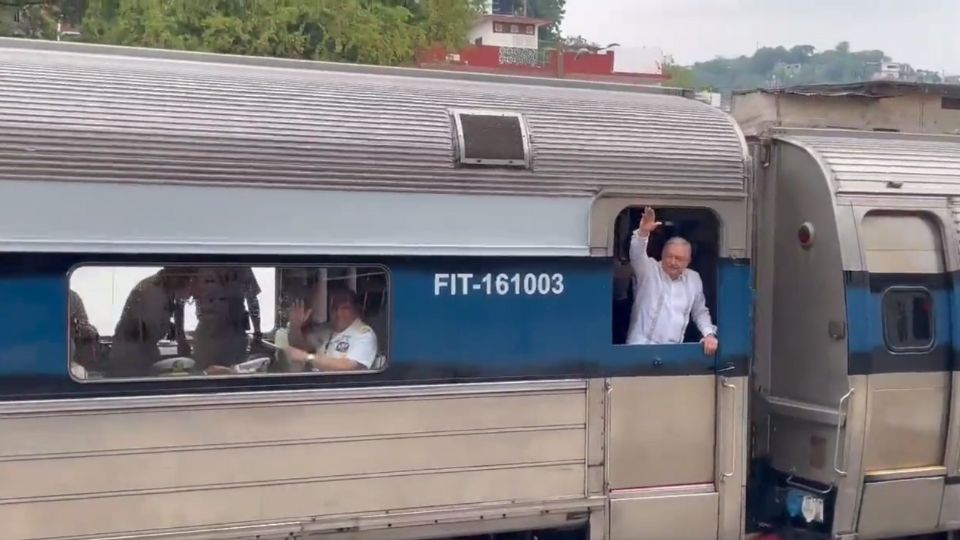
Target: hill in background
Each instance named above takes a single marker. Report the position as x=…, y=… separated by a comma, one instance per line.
x=801, y=64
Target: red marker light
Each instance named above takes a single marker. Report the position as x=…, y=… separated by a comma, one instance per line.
x=805, y=235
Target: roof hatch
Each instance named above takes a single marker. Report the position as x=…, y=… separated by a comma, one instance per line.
x=491, y=138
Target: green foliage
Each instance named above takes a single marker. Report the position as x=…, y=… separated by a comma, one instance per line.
x=575, y=43
x=553, y=10
x=801, y=64
x=29, y=18
x=367, y=31
x=447, y=22
x=681, y=77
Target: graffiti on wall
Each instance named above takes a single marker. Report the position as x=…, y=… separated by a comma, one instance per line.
x=518, y=56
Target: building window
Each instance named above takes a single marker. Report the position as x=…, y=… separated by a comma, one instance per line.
x=950, y=103
x=228, y=320
x=908, y=324
x=529, y=29
x=498, y=27
x=514, y=28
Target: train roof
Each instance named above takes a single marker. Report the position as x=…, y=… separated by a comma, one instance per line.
x=874, y=163
x=76, y=113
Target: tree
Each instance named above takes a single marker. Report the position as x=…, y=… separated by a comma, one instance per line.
x=386, y=32
x=766, y=58
x=837, y=65
x=800, y=54
x=447, y=23
x=576, y=43
x=680, y=77
x=29, y=18
x=553, y=10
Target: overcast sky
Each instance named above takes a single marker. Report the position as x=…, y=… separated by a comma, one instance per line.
x=924, y=33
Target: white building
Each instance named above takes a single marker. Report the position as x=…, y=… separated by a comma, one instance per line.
x=506, y=31
x=889, y=71
x=647, y=60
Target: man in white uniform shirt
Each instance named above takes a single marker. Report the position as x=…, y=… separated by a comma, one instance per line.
x=345, y=343
x=668, y=294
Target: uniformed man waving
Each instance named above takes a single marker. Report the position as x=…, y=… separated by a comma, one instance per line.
x=345, y=343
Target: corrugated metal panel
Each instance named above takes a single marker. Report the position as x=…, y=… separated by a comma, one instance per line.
x=871, y=163
x=100, y=117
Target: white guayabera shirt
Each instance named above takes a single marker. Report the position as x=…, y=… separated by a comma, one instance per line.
x=662, y=307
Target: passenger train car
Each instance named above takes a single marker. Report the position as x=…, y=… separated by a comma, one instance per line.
x=482, y=223
x=856, y=415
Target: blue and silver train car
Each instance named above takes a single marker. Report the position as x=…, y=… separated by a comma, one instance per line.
x=855, y=407
x=481, y=223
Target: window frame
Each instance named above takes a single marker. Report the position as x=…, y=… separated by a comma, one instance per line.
x=318, y=375
x=950, y=103
x=499, y=28
x=915, y=289
x=615, y=245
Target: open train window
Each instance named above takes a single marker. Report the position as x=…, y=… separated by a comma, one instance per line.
x=908, y=324
x=699, y=227
x=135, y=321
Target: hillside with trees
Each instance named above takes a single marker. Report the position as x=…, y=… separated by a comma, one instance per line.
x=801, y=64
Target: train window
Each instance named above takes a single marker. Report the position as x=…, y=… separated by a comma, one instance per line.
x=908, y=320
x=699, y=228
x=226, y=320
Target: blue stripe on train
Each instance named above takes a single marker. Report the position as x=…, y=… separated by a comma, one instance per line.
x=433, y=337
x=867, y=347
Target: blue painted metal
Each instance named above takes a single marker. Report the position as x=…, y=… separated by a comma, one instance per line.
x=865, y=336
x=433, y=337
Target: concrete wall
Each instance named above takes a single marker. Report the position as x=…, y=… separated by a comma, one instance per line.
x=757, y=111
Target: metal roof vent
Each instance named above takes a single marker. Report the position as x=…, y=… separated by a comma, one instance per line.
x=491, y=138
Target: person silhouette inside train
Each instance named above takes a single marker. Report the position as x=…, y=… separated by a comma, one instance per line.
x=148, y=317
x=227, y=307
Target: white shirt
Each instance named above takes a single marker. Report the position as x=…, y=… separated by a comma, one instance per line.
x=662, y=306
x=358, y=342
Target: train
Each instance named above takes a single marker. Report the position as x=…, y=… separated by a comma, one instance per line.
x=481, y=226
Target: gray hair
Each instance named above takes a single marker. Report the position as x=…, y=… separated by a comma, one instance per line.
x=677, y=241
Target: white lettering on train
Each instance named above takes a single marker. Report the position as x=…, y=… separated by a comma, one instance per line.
x=526, y=284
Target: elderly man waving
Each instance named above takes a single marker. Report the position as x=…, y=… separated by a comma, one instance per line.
x=668, y=294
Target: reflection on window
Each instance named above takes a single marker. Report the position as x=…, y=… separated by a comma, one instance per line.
x=908, y=319
x=179, y=320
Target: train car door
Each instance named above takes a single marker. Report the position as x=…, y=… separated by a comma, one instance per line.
x=676, y=436
x=902, y=341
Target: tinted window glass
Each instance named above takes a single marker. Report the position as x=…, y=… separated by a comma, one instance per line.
x=226, y=320
x=908, y=319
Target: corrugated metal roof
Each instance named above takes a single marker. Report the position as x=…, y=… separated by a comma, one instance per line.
x=88, y=116
x=874, y=163
x=869, y=89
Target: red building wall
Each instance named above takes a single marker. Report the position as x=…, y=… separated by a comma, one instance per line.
x=486, y=58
